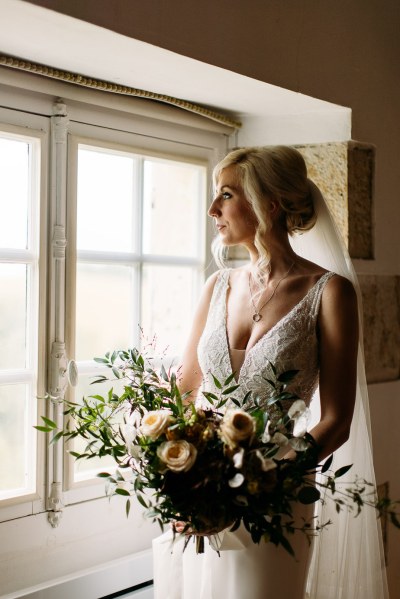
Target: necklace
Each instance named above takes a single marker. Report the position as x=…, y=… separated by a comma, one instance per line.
x=257, y=316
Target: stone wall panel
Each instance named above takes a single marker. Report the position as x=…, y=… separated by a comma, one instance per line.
x=381, y=315
x=327, y=167
x=361, y=165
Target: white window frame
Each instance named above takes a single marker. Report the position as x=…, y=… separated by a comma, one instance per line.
x=112, y=117
x=33, y=129
x=75, y=491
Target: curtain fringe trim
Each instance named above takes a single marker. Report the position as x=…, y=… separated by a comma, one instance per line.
x=106, y=86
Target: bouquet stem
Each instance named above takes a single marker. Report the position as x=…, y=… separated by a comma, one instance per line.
x=199, y=544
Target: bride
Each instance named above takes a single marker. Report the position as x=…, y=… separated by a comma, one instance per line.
x=294, y=307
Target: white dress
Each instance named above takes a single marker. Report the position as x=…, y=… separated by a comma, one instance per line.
x=245, y=570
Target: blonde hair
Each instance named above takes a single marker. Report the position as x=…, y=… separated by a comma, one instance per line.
x=267, y=174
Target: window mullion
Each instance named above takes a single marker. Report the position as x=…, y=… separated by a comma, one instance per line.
x=58, y=359
x=137, y=280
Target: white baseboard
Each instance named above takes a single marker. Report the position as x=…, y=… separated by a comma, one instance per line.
x=94, y=583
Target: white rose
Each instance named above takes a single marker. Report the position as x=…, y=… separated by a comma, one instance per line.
x=238, y=458
x=236, y=426
x=266, y=437
x=178, y=456
x=296, y=409
x=300, y=425
x=155, y=423
x=266, y=463
x=130, y=433
x=236, y=481
x=300, y=414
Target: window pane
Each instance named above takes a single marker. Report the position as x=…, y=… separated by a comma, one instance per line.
x=16, y=456
x=86, y=469
x=14, y=189
x=167, y=306
x=104, y=309
x=105, y=200
x=172, y=205
x=13, y=284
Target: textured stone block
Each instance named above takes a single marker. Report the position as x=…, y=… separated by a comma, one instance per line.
x=327, y=167
x=361, y=165
x=381, y=314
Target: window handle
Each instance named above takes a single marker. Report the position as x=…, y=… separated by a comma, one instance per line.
x=71, y=372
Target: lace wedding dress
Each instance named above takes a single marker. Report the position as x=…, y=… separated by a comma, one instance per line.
x=245, y=570
x=347, y=559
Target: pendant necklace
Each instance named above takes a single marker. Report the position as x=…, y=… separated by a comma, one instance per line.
x=257, y=316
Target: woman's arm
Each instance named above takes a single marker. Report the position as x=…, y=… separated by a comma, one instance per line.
x=190, y=374
x=338, y=331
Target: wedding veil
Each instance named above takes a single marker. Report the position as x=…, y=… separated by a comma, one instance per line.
x=347, y=560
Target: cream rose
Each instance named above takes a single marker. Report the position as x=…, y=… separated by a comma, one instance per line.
x=300, y=414
x=178, y=456
x=297, y=409
x=236, y=426
x=155, y=423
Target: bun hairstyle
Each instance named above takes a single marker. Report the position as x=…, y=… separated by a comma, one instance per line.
x=272, y=174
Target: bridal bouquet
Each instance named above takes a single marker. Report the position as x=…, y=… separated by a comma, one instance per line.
x=211, y=468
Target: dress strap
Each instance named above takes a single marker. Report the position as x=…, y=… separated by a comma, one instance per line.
x=220, y=287
x=218, y=298
x=317, y=294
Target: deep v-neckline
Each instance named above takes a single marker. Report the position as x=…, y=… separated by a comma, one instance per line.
x=248, y=352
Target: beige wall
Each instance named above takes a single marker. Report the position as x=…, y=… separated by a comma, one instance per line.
x=346, y=52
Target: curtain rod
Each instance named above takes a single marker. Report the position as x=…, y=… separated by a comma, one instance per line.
x=114, y=88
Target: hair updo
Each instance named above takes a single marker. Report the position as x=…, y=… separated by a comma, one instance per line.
x=267, y=174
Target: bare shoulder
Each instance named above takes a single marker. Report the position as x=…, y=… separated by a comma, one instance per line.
x=340, y=289
x=339, y=300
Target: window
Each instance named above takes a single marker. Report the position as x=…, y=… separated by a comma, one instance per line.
x=103, y=245
x=19, y=316
x=139, y=225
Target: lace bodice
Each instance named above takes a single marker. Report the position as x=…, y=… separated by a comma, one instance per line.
x=292, y=344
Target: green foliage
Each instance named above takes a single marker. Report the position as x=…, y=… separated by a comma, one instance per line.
x=203, y=495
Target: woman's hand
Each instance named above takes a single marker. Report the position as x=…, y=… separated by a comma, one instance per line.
x=182, y=528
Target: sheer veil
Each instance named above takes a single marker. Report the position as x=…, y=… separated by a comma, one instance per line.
x=347, y=558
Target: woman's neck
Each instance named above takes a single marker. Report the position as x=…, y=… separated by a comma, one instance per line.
x=281, y=255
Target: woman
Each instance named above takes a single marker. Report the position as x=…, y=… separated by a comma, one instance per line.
x=284, y=309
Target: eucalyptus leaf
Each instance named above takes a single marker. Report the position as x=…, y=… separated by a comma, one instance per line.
x=216, y=382
x=229, y=379
x=230, y=390
x=50, y=423
x=43, y=429
x=163, y=373
x=272, y=367
x=57, y=437
x=141, y=500
x=341, y=471
x=99, y=379
x=327, y=464
x=116, y=372
x=119, y=491
x=308, y=495
x=288, y=376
